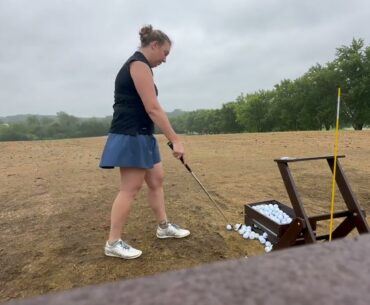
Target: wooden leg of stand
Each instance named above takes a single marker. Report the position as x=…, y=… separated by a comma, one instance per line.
x=344, y=228
x=289, y=237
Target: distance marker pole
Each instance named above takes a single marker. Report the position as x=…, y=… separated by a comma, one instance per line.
x=335, y=167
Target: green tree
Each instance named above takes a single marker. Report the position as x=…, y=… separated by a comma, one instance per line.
x=353, y=66
x=93, y=128
x=228, y=118
x=67, y=125
x=178, y=123
x=319, y=85
x=15, y=132
x=286, y=107
x=253, y=114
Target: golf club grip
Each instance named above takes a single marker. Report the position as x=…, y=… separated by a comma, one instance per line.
x=181, y=159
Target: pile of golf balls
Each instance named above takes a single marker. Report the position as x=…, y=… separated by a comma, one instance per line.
x=273, y=212
x=248, y=233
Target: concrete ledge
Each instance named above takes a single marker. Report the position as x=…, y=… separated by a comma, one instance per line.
x=329, y=273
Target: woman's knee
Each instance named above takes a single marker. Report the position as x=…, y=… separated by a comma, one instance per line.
x=155, y=181
x=154, y=177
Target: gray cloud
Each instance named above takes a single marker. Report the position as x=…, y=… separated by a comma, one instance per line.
x=64, y=55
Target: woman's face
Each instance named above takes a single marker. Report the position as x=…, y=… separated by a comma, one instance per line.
x=160, y=52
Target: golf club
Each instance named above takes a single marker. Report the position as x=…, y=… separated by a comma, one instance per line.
x=201, y=185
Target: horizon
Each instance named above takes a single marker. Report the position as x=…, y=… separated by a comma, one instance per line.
x=85, y=116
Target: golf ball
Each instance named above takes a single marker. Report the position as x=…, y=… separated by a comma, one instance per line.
x=228, y=227
x=237, y=226
x=268, y=249
x=246, y=235
x=242, y=231
x=274, y=213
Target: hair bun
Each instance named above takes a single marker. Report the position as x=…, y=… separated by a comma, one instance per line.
x=147, y=35
x=145, y=32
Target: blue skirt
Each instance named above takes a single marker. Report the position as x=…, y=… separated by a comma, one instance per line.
x=140, y=151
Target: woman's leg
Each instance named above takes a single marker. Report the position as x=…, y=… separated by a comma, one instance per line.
x=131, y=181
x=154, y=180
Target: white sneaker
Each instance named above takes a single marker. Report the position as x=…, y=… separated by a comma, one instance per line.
x=122, y=250
x=172, y=231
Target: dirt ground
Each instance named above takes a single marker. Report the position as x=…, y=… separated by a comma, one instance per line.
x=55, y=204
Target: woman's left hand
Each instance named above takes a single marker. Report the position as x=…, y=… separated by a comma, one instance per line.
x=178, y=150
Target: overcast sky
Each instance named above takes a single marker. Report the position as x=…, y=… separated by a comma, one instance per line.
x=64, y=55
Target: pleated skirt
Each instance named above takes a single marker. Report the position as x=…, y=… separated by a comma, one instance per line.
x=139, y=151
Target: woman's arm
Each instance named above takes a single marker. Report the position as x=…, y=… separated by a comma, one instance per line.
x=144, y=84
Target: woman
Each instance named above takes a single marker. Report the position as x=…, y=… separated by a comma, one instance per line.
x=131, y=145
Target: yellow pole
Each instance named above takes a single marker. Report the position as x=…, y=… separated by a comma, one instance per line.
x=335, y=167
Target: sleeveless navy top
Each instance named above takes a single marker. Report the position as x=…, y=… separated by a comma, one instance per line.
x=130, y=116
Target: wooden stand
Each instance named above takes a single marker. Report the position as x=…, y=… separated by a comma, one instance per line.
x=302, y=230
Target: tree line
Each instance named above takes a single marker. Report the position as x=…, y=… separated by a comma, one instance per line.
x=306, y=103
x=61, y=127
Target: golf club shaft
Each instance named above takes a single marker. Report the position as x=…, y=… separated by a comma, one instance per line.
x=209, y=196
x=201, y=185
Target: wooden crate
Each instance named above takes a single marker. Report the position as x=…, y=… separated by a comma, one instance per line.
x=260, y=222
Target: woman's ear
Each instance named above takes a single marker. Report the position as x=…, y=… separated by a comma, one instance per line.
x=154, y=44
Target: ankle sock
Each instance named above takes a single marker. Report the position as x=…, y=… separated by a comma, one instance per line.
x=112, y=243
x=164, y=225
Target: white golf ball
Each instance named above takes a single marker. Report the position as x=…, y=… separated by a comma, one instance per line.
x=242, y=231
x=262, y=240
x=246, y=235
x=264, y=235
x=268, y=244
x=268, y=249
x=228, y=227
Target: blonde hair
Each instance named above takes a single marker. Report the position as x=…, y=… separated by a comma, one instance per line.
x=148, y=34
